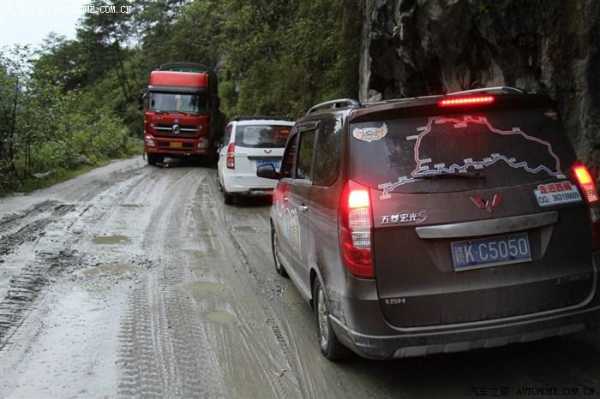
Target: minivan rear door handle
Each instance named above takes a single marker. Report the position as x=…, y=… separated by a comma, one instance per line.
x=488, y=226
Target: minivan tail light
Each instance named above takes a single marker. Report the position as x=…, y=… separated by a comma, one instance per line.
x=358, y=199
x=461, y=101
x=356, y=230
x=587, y=185
x=231, y=156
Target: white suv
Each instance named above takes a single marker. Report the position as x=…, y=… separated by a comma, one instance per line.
x=248, y=143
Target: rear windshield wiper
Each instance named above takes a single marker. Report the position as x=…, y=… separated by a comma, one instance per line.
x=453, y=175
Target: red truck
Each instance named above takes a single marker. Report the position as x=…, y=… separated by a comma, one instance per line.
x=181, y=113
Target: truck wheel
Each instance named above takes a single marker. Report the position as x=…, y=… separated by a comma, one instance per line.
x=154, y=159
x=331, y=348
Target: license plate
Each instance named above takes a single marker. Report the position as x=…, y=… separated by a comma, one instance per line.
x=491, y=251
x=275, y=163
x=176, y=144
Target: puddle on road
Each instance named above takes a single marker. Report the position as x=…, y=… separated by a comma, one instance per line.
x=131, y=205
x=111, y=240
x=198, y=254
x=250, y=229
x=244, y=229
x=110, y=269
x=202, y=289
x=220, y=317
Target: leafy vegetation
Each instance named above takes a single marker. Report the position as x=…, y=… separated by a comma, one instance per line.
x=75, y=102
x=52, y=122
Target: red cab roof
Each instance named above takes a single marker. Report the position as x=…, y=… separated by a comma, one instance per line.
x=178, y=79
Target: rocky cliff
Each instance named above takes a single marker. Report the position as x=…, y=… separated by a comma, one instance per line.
x=419, y=47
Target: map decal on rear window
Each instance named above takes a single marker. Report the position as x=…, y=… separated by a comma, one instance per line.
x=548, y=164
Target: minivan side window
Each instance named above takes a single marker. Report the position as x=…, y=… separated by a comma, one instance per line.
x=327, y=155
x=305, y=154
x=289, y=157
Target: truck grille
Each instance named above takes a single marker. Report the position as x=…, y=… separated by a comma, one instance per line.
x=165, y=129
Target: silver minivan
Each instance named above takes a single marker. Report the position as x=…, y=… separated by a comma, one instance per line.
x=437, y=224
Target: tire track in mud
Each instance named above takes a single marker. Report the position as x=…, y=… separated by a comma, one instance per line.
x=25, y=287
x=199, y=337
x=104, y=184
x=32, y=230
x=12, y=220
x=56, y=228
x=165, y=352
x=290, y=319
x=104, y=202
x=257, y=342
x=273, y=336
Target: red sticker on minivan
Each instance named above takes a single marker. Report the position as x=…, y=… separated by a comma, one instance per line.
x=563, y=192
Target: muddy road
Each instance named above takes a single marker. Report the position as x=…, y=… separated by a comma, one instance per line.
x=137, y=282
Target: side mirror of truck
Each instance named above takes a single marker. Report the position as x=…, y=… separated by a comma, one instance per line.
x=267, y=171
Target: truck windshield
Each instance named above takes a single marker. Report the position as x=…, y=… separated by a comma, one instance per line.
x=178, y=102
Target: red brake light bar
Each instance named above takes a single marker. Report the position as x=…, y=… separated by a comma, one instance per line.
x=471, y=100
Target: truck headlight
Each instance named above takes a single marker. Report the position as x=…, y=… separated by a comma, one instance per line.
x=202, y=144
x=149, y=141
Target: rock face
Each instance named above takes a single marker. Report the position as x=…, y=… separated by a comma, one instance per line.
x=419, y=47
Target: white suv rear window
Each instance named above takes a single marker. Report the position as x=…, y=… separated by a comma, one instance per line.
x=262, y=136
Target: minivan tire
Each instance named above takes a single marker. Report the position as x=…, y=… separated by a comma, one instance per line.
x=329, y=344
x=279, y=268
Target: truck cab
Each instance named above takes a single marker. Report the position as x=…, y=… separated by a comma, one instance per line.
x=181, y=113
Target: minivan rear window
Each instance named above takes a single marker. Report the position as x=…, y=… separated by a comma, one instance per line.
x=498, y=147
x=262, y=136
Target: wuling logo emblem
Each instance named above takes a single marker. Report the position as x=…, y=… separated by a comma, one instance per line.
x=487, y=204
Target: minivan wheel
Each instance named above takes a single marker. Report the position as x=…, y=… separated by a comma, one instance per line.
x=330, y=346
x=275, y=246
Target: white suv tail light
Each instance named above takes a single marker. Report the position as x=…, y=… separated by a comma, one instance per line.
x=231, y=156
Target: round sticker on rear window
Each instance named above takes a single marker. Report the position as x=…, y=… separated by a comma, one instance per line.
x=369, y=134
